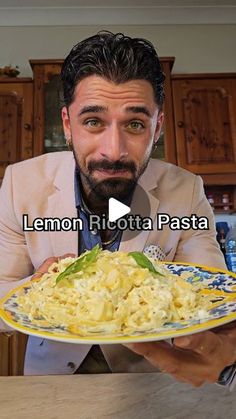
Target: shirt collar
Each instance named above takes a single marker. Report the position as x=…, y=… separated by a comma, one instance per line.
x=79, y=202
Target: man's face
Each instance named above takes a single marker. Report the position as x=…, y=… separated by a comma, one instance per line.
x=112, y=128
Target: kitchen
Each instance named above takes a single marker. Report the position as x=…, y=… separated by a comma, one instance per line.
x=196, y=45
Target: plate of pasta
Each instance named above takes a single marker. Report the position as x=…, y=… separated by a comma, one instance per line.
x=113, y=297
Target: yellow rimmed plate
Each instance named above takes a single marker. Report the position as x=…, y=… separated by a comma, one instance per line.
x=219, y=282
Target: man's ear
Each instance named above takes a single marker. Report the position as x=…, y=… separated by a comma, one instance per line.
x=159, y=124
x=66, y=123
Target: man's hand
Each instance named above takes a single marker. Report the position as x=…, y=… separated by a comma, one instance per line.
x=48, y=262
x=194, y=359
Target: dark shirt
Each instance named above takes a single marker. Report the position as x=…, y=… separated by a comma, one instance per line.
x=89, y=239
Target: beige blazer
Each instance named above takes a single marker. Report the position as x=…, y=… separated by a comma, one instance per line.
x=44, y=187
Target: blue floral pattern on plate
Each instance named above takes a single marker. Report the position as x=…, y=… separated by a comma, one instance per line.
x=221, y=283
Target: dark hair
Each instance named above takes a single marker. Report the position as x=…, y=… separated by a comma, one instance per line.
x=115, y=57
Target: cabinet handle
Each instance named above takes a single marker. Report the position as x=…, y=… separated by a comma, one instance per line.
x=27, y=126
x=180, y=124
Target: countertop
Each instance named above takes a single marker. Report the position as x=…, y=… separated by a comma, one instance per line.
x=114, y=396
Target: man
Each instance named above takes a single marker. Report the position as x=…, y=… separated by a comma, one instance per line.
x=112, y=118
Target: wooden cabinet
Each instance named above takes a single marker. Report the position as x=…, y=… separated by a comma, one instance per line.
x=205, y=132
x=222, y=198
x=16, y=144
x=48, y=132
x=12, y=353
x=16, y=121
x=205, y=122
x=46, y=75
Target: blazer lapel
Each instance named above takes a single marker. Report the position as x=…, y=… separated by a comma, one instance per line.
x=61, y=204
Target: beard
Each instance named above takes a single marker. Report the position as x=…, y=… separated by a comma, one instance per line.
x=118, y=187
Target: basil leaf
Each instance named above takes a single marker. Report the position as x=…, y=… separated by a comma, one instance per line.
x=144, y=262
x=83, y=262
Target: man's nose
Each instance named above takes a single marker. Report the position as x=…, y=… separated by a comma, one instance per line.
x=114, y=144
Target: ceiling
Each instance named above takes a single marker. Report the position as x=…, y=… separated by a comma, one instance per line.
x=114, y=12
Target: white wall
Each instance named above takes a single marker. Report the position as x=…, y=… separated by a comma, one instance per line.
x=197, y=48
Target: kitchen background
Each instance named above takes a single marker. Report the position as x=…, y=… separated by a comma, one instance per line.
x=196, y=40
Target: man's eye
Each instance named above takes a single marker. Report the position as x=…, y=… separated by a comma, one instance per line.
x=94, y=123
x=136, y=125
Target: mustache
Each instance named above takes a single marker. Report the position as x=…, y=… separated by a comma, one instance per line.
x=114, y=166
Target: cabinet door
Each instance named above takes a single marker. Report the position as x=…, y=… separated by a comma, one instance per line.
x=48, y=131
x=205, y=124
x=12, y=353
x=16, y=113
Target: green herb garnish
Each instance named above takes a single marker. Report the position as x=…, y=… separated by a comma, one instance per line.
x=83, y=262
x=144, y=262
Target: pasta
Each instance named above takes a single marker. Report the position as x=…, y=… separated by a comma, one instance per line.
x=112, y=294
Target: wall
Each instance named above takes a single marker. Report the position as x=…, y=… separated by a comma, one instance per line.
x=197, y=48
